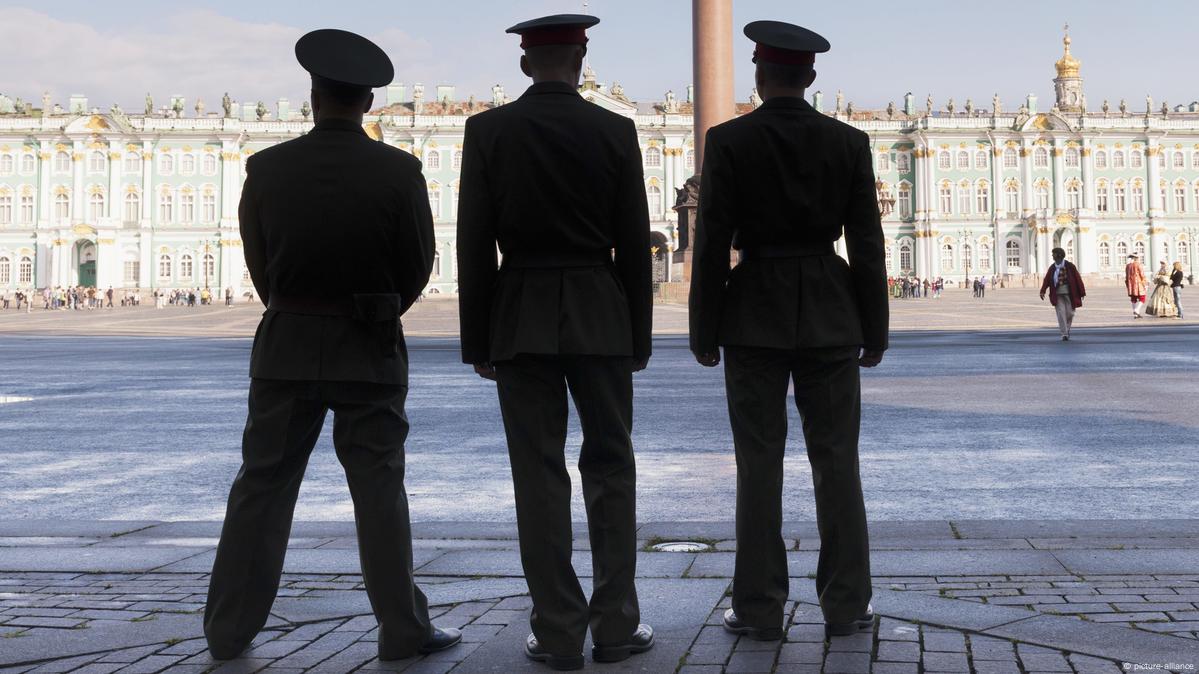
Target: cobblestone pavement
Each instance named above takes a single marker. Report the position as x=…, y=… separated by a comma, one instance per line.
x=982, y=596
x=1004, y=308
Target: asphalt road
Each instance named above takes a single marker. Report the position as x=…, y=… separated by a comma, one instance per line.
x=955, y=425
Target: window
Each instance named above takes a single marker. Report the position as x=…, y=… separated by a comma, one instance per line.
x=433, y=159
x=1071, y=157
x=946, y=199
x=209, y=267
x=963, y=160
x=436, y=271
x=884, y=161
x=964, y=199
x=1009, y=157
x=1165, y=250
x=653, y=157
x=980, y=160
x=983, y=197
x=166, y=164
x=1105, y=255
x=690, y=160
x=1179, y=160
x=1194, y=160
x=1101, y=196
x=208, y=206
x=889, y=257
x=1139, y=249
x=95, y=206
x=1122, y=250
x=905, y=257
x=62, y=162
x=1196, y=191
x=25, y=215
x=903, y=162
x=456, y=160
x=1040, y=158
x=984, y=257
x=1118, y=159
x=209, y=165
x=1161, y=158
x=1184, y=253
x=654, y=193
x=1042, y=197
x=1118, y=193
x=166, y=208
x=133, y=163
x=1180, y=198
x=187, y=165
x=905, y=201
x=132, y=271
x=1012, y=249
x=62, y=207
x=96, y=162
x=1138, y=198
x=943, y=161
x=133, y=207
x=185, y=267
x=28, y=163
x=25, y=271
x=1136, y=159
x=1162, y=195
x=1101, y=159
x=164, y=267
x=5, y=271
x=435, y=200
x=5, y=209
x=1074, y=195
x=1011, y=195
x=187, y=207
x=7, y=164
x=946, y=256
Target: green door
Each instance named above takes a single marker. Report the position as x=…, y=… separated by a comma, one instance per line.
x=87, y=274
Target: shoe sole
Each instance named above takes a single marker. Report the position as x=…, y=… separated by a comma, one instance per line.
x=842, y=630
x=426, y=650
x=559, y=663
x=618, y=653
x=768, y=634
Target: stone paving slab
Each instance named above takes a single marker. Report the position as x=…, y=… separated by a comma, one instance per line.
x=101, y=636
x=83, y=528
x=52, y=558
x=1167, y=528
x=1109, y=641
x=1087, y=562
x=909, y=562
x=302, y=561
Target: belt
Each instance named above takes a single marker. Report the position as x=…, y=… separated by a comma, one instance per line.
x=788, y=250
x=312, y=306
x=562, y=260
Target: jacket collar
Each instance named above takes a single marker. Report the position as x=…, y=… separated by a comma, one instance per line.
x=338, y=125
x=538, y=88
x=787, y=103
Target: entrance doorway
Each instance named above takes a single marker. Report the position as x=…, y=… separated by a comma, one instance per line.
x=85, y=252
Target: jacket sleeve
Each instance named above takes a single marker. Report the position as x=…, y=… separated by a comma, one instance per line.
x=417, y=240
x=477, y=260
x=632, y=256
x=710, y=249
x=864, y=243
x=253, y=241
x=1047, y=281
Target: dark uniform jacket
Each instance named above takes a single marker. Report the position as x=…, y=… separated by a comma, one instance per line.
x=782, y=176
x=552, y=178
x=325, y=217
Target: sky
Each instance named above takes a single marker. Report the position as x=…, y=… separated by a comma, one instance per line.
x=119, y=51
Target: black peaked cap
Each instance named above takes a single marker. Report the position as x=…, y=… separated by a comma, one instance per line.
x=555, y=21
x=344, y=57
x=780, y=35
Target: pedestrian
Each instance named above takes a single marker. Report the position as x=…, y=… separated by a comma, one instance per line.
x=809, y=180
x=1176, y=286
x=4, y=298
x=1064, y=284
x=108, y=295
x=229, y=296
x=330, y=339
x=556, y=183
x=982, y=287
x=1161, y=300
x=1134, y=284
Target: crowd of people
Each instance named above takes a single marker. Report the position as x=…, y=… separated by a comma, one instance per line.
x=86, y=298
x=905, y=287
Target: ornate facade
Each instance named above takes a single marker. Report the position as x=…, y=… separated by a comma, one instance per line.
x=150, y=200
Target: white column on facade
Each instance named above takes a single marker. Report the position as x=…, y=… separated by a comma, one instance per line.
x=44, y=251
x=921, y=157
x=146, y=254
x=114, y=205
x=669, y=177
x=931, y=267
x=45, y=165
x=78, y=197
x=1156, y=207
x=1088, y=175
x=1059, y=176
x=108, y=260
x=1026, y=188
x=147, y=184
x=997, y=196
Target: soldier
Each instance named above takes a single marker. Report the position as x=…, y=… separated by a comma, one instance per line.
x=556, y=182
x=339, y=242
x=780, y=184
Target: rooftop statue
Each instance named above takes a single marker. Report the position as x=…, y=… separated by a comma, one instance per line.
x=754, y=99
x=497, y=95
x=199, y=107
x=305, y=111
x=890, y=109
x=840, y=99
x=149, y=104
x=260, y=110
x=995, y=105
x=928, y=105
x=1123, y=108
x=227, y=104
x=969, y=107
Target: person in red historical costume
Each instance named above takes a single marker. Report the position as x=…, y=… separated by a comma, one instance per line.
x=1134, y=281
x=1064, y=285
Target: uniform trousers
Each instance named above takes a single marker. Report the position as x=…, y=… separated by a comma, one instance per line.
x=285, y=420
x=533, y=400
x=828, y=396
x=1065, y=310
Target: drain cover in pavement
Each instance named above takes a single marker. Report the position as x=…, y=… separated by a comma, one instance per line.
x=681, y=546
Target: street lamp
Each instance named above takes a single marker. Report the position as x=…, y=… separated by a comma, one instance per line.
x=1191, y=233
x=204, y=262
x=963, y=235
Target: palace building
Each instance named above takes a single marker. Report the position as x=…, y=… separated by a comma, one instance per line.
x=149, y=200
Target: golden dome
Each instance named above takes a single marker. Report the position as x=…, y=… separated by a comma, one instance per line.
x=1067, y=65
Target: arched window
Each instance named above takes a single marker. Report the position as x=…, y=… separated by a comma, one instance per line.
x=208, y=207
x=1138, y=197
x=984, y=257
x=964, y=198
x=62, y=207
x=1071, y=157
x=1009, y=157
x=1162, y=195
x=432, y=159
x=947, y=256
x=187, y=206
x=946, y=197
x=133, y=207
x=884, y=161
x=980, y=160
x=905, y=256
x=5, y=271
x=943, y=161
x=1043, y=196
x=25, y=271
x=95, y=206
x=905, y=201
x=28, y=163
x=1040, y=158
x=1011, y=197
x=166, y=164
x=96, y=162
x=1161, y=158
x=963, y=160
x=209, y=267
x=25, y=212
x=1105, y=255
x=1012, y=251
x=1118, y=159
x=166, y=208
x=888, y=257
x=654, y=193
x=164, y=267
x=1195, y=191
x=187, y=164
x=5, y=208
x=982, y=197
x=186, y=272
x=1118, y=191
x=1180, y=197
x=62, y=162
x=133, y=162
x=456, y=160
x=1122, y=250
x=903, y=162
x=1101, y=159
x=1101, y=196
x=1074, y=195
x=1184, y=253
x=209, y=164
x=1179, y=160
x=1138, y=247
x=653, y=157
x=1136, y=159
x=689, y=160
x=7, y=164
x=435, y=200
x=131, y=269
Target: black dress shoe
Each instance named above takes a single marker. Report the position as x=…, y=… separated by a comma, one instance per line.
x=864, y=622
x=734, y=625
x=441, y=639
x=641, y=641
x=562, y=663
x=225, y=652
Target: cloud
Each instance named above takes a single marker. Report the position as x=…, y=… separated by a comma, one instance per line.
x=194, y=53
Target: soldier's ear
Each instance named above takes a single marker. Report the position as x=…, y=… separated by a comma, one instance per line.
x=370, y=100
x=524, y=65
x=810, y=79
